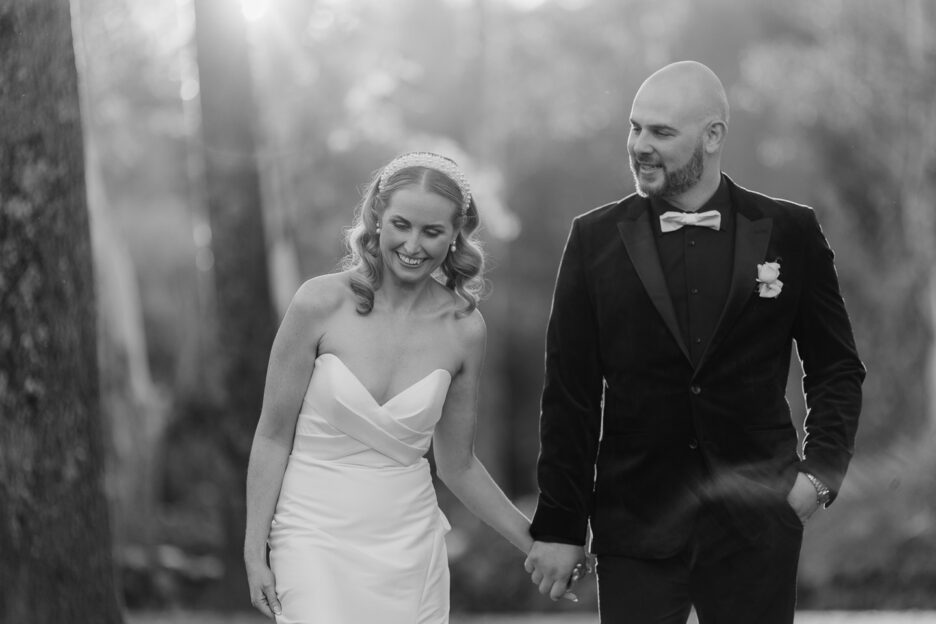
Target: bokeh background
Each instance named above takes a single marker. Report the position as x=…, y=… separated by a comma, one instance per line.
x=227, y=142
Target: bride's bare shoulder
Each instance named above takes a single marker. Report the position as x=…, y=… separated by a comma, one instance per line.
x=470, y=329
x=322, y=296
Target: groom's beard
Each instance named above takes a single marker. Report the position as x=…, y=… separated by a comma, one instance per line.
x=674, y=182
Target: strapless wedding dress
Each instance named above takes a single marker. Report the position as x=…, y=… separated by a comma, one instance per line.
x=357, y=536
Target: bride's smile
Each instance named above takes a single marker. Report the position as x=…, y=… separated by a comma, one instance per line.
x=417, y=229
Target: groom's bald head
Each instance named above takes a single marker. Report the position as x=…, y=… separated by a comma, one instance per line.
x=688, y=90
x=679, y=120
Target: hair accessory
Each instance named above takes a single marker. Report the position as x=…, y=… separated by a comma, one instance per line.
x=429, y=160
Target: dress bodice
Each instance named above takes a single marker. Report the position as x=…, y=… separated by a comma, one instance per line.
x=357, y=534
x=341, y=421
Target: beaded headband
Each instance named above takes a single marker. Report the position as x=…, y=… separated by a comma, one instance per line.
x=429, y=160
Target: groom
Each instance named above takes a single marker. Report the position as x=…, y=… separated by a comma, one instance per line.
x=664, y=420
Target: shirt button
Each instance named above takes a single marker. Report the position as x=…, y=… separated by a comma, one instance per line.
x=695, y=390
x=698, y=341
x=692, y=243
x=693, y=443
x=694, y=291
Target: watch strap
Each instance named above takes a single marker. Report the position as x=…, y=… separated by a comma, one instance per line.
x=822, y=491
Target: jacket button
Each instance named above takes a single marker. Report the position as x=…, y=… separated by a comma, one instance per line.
x=695, y=390
x=693, y=443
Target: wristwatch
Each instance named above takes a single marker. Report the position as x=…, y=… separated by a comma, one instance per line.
x=822, y=491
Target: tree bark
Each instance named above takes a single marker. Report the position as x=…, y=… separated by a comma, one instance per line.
x=56, y=563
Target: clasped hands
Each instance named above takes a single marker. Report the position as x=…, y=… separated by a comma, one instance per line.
x=555, y=568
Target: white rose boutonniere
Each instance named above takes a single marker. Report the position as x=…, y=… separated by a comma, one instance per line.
x=768, y=280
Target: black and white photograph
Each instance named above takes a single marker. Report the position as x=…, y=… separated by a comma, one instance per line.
x=467, y=312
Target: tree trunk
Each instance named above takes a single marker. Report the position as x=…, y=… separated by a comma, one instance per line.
x=56, y=563
x=133, y=417
x=245, y=321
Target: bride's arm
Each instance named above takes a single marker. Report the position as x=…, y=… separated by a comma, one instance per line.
x=291, y=361
x=453, y=447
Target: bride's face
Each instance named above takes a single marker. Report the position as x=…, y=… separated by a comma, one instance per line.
x=416, y=230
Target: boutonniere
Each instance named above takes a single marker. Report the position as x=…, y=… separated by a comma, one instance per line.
x=768, y=279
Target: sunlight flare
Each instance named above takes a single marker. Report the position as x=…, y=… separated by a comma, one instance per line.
x=254, y=9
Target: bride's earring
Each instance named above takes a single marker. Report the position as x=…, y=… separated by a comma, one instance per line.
x=452, y=246
x=378, y=228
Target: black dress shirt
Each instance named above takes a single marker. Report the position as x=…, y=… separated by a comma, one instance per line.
x=697, y=264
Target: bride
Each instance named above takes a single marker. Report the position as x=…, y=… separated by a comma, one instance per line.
x=369, y=366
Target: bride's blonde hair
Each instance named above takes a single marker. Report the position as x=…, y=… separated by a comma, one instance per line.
x=462, y=271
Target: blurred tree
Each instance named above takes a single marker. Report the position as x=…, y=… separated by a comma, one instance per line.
x=138, y=73
x=133, y=415
x=54, y=527
x=859, y=109
x=849, y=94
x=243, y=317
x=132, y=56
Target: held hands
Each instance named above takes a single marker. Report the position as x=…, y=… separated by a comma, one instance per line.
x=262, y=590
x=802, y=498
x=555, y=567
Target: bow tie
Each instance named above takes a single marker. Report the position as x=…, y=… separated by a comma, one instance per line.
x=671, y=221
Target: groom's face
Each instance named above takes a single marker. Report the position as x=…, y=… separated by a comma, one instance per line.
x=665, y=147
x=657, y=176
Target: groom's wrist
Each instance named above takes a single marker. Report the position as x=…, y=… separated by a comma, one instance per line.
x=553, y=524
x=823, y=493
x=556, y=539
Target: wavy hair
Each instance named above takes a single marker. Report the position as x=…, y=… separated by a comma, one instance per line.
x=462, y=270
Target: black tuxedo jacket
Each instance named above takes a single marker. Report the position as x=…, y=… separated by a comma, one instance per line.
x=634, y=437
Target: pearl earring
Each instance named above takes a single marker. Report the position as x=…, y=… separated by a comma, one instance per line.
x=378, y=228
x=452, y=247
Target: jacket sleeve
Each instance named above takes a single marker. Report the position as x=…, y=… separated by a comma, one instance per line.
x=570, y=418
x=833, y=372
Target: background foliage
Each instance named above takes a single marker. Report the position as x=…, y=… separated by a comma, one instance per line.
x=832, y=105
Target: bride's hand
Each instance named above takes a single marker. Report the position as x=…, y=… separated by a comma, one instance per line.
x=553, y=567
x=580, y=570
x=577, y=573
x=263, y=590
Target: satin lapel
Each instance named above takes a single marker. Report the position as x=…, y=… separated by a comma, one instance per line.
x=638, y=240
x=751, y=238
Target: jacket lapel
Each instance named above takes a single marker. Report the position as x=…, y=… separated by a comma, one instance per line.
x=637, y=235
x=752, y=233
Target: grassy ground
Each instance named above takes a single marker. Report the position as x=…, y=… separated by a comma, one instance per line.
x=805, y=617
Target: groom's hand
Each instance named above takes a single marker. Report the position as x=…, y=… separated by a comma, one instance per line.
x=802, y=498
x=550, y=565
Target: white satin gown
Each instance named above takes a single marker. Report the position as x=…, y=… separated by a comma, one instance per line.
x=357, y=535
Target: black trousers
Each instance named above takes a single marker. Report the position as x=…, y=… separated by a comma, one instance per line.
x=728, y=579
